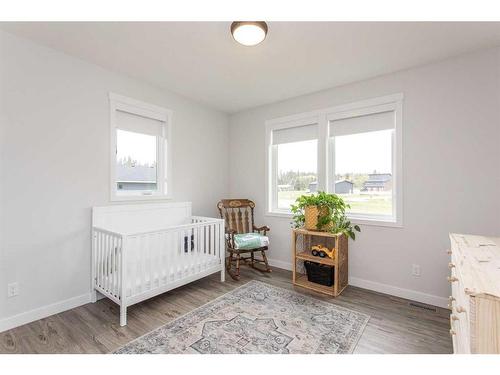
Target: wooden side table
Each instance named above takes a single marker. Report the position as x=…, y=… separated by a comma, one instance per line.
x=302, y=242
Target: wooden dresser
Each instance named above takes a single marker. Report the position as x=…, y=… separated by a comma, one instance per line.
x=475, y=299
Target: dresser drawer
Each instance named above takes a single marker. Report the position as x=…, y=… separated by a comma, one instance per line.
x=475, y=288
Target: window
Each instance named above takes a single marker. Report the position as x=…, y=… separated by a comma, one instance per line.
x=294, y=154
x=362, y=170
x=140, y=136
x=352, y=150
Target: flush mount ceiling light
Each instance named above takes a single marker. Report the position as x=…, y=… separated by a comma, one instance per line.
x=249, y=33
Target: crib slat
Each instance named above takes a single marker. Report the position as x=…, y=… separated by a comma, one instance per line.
x=171, y=249
x=111, y=265
x=192, y=252
x=140, y=254
x=176, y=255
x=222, y=245
x=163, y=254
x=98, y=259
x=216, y=238
x=149, y=260
x=115, y=266
x=181, y=254
x=185, y=247
x=118, y=267
x=156, y=268
x=111, y=260
x=212, y=228
x=108, y=263
x=151, y=255
x=102, y=261
x=196, y=243
x=166, y=251
x=106, y=259
x=131, y=266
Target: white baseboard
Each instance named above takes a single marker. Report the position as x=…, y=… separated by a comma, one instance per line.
x=280, y=264
x=43, y=312
x=382, y=288
x=413, y=295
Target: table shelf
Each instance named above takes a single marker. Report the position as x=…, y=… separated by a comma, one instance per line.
x=301, y=280
x=302, y=242
x=304, y=255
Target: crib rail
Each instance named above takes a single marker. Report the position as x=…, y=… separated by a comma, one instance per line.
x=166, y=257
x=142, y=264
x=107, y=255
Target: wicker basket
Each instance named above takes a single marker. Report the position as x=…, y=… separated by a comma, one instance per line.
x=311, y=214
x=320, y=273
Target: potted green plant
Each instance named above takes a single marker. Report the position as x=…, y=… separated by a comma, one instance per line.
x=323, y=212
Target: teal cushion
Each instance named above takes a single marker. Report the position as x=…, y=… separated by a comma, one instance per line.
x=248, y=241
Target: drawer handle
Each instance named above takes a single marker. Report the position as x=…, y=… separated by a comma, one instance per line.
x=452, y=332
x=451, y=265
x=460, y=309
x=452, y=279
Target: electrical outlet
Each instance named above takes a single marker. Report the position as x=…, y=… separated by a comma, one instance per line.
x=415, y=270
x=12, y=289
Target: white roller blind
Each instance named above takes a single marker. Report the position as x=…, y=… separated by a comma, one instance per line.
x=362, y=124
x=295, y=134
x=139, y=124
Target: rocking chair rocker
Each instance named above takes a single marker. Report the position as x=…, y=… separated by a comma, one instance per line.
x=239, y=217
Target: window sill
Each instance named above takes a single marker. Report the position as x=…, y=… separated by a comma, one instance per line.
x=288, y=215
x=375, y=222
x=354, y=220
x=139, y=198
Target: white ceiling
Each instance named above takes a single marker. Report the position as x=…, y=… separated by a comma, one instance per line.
x=200, y=60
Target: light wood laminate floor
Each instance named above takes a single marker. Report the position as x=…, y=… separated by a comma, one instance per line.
x=394, y=326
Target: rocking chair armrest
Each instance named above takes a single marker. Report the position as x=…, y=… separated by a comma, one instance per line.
x=263, y=229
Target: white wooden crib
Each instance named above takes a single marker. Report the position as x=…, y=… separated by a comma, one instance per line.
x=142, y=250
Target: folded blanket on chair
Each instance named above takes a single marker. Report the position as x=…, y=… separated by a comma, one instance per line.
x=248, y=241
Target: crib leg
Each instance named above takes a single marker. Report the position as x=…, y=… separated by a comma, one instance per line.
x=123, y=315
x=93, y=296
x=223, y=272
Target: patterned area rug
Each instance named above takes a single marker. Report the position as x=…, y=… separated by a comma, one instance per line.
x=257, y=318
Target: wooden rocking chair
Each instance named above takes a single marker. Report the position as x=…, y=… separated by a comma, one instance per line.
x=239, y=218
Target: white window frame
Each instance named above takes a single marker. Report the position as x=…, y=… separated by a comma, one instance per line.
x=272, y=159
x=164, y=157
x=326, y=153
